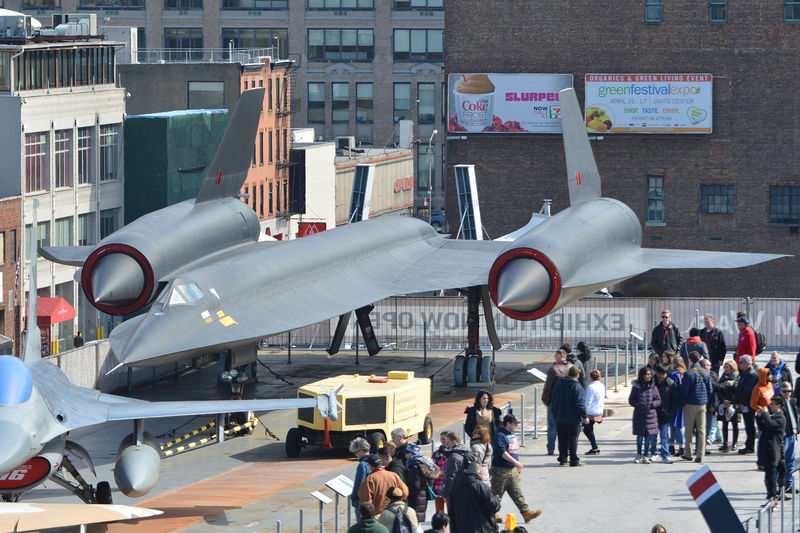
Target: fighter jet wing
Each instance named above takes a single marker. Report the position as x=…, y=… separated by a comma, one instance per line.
x=66, y=255
x=76, y=407
x=644, y=259
x=38, y=516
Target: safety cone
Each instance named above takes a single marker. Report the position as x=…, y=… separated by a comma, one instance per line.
x=511, y=521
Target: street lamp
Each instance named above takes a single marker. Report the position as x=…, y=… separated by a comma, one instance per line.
x=430, y=177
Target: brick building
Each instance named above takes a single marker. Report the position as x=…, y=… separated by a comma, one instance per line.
x=9, y=264
x=735, y=189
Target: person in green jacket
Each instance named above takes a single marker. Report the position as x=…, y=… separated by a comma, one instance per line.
x=367, y=523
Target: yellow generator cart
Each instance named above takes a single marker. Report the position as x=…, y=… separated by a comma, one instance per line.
x=371, y=407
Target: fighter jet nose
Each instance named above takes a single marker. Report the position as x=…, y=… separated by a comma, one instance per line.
x=116, y=279
x=14, y=448
x=523, y=285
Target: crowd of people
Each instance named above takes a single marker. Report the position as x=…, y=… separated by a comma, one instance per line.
x=466, y=481
x=688, y=397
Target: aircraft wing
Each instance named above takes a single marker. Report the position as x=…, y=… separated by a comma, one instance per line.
x=78, y=407
x=641, y=260
x=66, y=255
x=38, y=516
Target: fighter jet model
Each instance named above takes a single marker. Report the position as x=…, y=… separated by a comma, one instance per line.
x=214, y=287
x=39, y=406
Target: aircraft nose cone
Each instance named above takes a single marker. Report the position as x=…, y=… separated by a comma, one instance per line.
x=116, y=279
x=15, y=447
x=522, y=285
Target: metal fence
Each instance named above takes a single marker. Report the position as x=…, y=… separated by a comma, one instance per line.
x=440, y=323
x=783, y=516
x=204, y=55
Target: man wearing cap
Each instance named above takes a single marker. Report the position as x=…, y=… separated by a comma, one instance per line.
x=506, y=467
x=376, y=487
x=747, y=339
x=790, y=436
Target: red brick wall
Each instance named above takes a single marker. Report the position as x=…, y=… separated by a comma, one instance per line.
x=753, y=60
x=10, y=220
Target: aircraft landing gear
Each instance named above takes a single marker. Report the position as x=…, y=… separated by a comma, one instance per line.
x=473, y=367
x=81, y=488
x=12, y=498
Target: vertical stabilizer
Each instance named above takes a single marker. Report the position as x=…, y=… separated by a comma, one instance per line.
x=228, y=170
x=582, y=174
x=33, y=339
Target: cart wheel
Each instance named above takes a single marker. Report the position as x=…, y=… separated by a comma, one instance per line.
x=102, y=493
x=377, y=440
x=473, y=366
x=487, y=370
x=426, y=434
x=293, y=443
x=250, y=415
x=460, y=371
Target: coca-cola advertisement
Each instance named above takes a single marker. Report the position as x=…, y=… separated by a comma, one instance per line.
x=505, y=103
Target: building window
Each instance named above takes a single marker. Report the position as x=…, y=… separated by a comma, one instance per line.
x=791, y=11
x=425, y=105
x=206, y=94
x=269, y=94
x=364, y=102
x=63, y=232
x=109, y=222
x=183, y=4
x=784, y=204
x=255, y=4
x=269, y=143
x=250, y=38
x=86, y=230
x=418, y=4
x=418, y=45
x=277, y=146
x=270, y=198
x=109, y=149
x=85, y=155
x=718, y=11
x=112, y=4
x=340, y=45
x=316, y=102
x=35, y=162
x=182, y=39
x=655, y=200
x=261, y=199
x=285, y=146
x=402, y=101
x=42, y=4
x=42, y=237
x=2, y=246
x=426, y=168
x=5, y=68
x=340, y=4
x=261, y=148
x=716, y=199
x=653, y=11
x=340, y=106
x=63, y=161
x=141, y=43
x=13, y=244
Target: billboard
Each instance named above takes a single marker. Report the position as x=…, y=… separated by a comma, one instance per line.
x=648, y=103
x=505, y=103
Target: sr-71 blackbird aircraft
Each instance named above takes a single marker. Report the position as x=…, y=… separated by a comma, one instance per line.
x=214, y=287
x=39, y=406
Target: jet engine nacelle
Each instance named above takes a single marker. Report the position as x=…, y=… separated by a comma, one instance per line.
x=543, y=269
x=36, y=470
x=137, y=467
x=122, y=274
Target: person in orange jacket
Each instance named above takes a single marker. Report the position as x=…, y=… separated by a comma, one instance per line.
x=763, y=392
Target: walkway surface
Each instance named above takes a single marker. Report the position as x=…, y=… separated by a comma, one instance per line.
x=248, y=484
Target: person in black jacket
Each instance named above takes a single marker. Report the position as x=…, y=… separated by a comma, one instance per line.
x=772, y=424
x=748, y=379
x=482, y=412
x=666, y=335
x=472, y=504
x=569, y=409
x=667, y=391
x=715, y=342
x=790, y=411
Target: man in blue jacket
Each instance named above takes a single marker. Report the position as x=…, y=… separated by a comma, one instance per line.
x=695, y=392
x=568, y=404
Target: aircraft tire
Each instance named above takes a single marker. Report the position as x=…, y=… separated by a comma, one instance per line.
x=102, y=492
x=426, y=434
x=487, y=370
x=473, y=366
x=460, y=371
x=294, y=443
x=377, y=440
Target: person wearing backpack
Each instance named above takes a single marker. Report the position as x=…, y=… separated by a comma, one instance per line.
x=420, y=474
x=747, y=339
x=398, y=517
x=472, y=503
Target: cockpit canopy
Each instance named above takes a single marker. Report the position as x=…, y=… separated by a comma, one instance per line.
x=16, y=382
x=181, y=292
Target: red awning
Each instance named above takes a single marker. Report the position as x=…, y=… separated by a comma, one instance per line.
x=52, y=311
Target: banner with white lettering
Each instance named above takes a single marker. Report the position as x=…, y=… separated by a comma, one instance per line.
x=505, y=103
x=648, y=103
